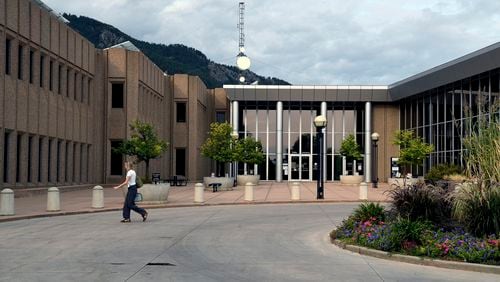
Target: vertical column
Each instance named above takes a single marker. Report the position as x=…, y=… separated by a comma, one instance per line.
x=230, y=123
x=279, y=141
x=323, y=113
x=431, y=133
x=235, y=130
x=368, y=145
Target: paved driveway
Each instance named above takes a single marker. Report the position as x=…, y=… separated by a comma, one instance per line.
x=286, y=242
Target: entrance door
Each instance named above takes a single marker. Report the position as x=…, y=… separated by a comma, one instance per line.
x=300, y=167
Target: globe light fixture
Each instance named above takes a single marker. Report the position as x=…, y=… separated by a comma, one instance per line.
x=242, y=79
x=242, y=61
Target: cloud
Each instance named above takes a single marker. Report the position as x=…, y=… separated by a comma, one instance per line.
x=305, y=42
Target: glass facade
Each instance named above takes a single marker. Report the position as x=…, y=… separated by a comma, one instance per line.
x=440, y=115
x=300, y=156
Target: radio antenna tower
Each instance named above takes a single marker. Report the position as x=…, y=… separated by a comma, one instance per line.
x=241, y=26
x=242, y=61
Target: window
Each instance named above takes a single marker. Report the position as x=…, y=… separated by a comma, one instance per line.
x=6, y=156
x=7, y=56
x=67, y=82
x=66, y=162
x=18, y=157
x=30, y=159
x=59, y=74
x=73, y=173
x=116, y=159
x=20, y=62
x=40, y=158
x=220, y=117
x=51, y=74
x=89, y=83
x=42, y=63
x=74, y=85
x=58, y=161
x=181, y=112
x=32, y=56
x=82, y=86
x=49, y=165
x=117, y=95
x=180, y=161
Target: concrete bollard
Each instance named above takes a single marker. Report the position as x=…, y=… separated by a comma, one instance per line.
x=98, y=197
x=53, y=201
x=7, y=202
x=363, y=191
x=199, y=193
x=295, y=191
x=249, y=191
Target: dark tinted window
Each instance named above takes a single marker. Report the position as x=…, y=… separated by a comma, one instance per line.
x=117, y=95
x=181, y=112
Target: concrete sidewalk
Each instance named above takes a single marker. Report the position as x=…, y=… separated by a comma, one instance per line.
x=80, y=201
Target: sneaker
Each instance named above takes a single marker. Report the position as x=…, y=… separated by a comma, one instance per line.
x=145, y=216
x=125, y=220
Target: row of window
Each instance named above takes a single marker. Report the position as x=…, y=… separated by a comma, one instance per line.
x=32, y=156
x=441, y=115
x=72, y=76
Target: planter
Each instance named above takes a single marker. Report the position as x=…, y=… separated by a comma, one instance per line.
x=351, y=179
x=227, y=182
x=152, y=193
x=399, y=181
x=242, y=180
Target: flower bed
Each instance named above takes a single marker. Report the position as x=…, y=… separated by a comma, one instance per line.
x=420, y=239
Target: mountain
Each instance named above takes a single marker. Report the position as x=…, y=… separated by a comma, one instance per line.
x=172, y=58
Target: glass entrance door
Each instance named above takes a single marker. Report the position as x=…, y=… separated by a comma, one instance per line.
x=300, y=167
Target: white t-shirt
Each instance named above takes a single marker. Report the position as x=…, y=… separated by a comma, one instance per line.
x=131, y=175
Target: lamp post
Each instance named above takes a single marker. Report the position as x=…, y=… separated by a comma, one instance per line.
x=234, y=165
x=320, y=123
x=375, y=136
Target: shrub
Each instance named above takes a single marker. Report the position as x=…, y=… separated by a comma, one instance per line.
x=477, y=207
x=421, y=202
x=407, y=233
x=367, y=211
x=439, y=171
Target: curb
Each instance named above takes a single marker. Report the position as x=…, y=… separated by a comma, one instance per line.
x=162, y=206
x=417, y=260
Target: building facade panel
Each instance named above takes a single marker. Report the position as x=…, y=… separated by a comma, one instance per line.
x=24, y=20
x=12, y=14
x=54, y=35
x=35, y=23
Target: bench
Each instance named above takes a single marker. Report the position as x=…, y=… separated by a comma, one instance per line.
x=177, y=180
x=155, y=177
x=215, y=186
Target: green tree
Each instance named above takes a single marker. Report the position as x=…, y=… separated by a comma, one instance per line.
x=350, y=149
x=249, y=151
x=144, y=144
x=219, y=145
x=412, y=149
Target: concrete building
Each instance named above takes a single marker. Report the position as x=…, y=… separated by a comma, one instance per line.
x=65, y=104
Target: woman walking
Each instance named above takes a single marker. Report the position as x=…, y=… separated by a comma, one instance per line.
x=131, y=194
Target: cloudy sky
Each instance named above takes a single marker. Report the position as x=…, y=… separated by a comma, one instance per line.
x=323, y=42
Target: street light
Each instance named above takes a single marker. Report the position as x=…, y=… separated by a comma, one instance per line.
x=234, y=165
x=320, y=123
x=375, y=136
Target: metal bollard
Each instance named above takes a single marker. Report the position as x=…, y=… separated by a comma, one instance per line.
x=98, y=197
x=295, y=191
x=7, y=202
x=199, y=190
x=363, y=191
x=249, y=191
x=53, y=200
